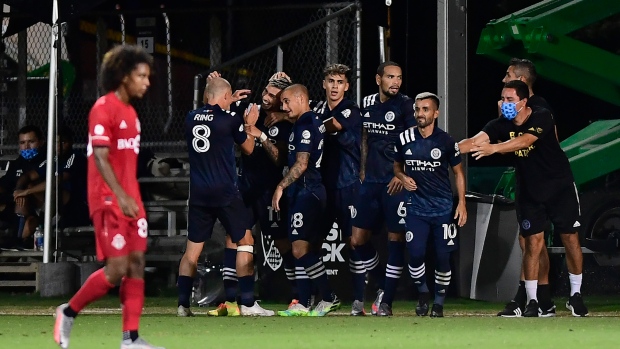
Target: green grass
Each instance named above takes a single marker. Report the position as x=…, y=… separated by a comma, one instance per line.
x=469, y=324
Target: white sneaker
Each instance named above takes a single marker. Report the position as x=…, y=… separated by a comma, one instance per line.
x=138, y=344
x=62, y=328
x=184, y=312
x=255, y=310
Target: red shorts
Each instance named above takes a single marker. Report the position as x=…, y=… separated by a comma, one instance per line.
x=117, y=235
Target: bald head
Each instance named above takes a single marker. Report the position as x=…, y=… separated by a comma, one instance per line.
x=218, y=91
x=295, y=100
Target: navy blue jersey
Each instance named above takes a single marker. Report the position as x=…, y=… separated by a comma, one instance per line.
x=307, y=136
x=211, y=133
x=341, y=160
x=75, y=165
x=257, y=169
x=427, y=161
x=384, y=122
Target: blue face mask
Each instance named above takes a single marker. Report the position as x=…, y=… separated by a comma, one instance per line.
x=509, y=110
x=29, y=153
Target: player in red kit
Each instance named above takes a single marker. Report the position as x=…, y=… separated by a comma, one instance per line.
x=114, y=198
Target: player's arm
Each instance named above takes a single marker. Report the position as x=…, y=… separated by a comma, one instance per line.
x=466, y=145
x=399, y=172
x=461, y=208
x=126, y=203
x=273, y=150
x=249, y=119
x=517, y=143
x=364, y=154
x=22, y=190
x=293, y=174
x=332, y=125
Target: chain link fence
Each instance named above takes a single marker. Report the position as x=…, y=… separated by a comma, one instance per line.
x=183, y=43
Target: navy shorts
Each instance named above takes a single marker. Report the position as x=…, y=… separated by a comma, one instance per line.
x=305, y=213
x=201, y=219
x=272, y=223
x=374, y=206
x=442, y=230
x=339, y=209
x=562, y=209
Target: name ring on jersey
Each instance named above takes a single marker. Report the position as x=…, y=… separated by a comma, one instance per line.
x=389, y=116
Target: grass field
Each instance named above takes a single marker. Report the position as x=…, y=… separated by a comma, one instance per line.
x=27, y=322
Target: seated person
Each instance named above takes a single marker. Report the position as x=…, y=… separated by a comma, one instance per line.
x=31, y=155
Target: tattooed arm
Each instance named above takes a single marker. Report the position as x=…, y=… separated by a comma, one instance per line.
x=364, y=154
x=293, y=174
x=276, y=152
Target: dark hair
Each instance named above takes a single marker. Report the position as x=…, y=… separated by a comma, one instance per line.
x=337, y=69
x=65, y=134
x=31, y=128
x=520, y=87
x=120, y=62
x=381, y=68
x=280, y=83
x=524, y=68
x=428, y=95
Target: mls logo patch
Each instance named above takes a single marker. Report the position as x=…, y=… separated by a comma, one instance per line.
x=273, y=131
x=526, y=224
x=435, y=153
x=272, y=255
x=389, y=116
x=346, y=113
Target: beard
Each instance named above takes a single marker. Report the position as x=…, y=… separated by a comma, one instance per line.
x=423, y=122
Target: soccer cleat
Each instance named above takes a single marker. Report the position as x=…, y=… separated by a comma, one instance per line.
x=531, y=310
x=375, y=305
x=357, y=309
x=295, y=309
x=184, y=312
x=293, y=302
x=324, y=307
x=546, y=310
x=422, y=308
x=138, y=344
x=62, y=327
x=384, y=310
x=576, y=306
x=255, y=310
x=437, y=310
x=225, y=309
x=512, y=309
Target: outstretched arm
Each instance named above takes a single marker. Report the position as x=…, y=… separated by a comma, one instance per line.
x=466, y=145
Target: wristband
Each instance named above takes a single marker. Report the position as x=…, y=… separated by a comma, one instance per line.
x=263, y=137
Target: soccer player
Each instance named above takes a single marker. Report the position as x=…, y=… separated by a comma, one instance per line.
x=211, y=132
x=381, y=200
x=545, y=188
x=306, y=198
x=423, y=156
x=114, y=197
x=524, y=70
x=341, y=166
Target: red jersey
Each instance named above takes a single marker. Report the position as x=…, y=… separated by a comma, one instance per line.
x=115, y=125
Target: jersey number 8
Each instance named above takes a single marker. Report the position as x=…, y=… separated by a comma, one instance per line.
x=201, y=141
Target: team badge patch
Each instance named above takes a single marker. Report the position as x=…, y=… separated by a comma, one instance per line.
x=526, y=224
x=435, y=153
x=389, y=116
x=273, y=131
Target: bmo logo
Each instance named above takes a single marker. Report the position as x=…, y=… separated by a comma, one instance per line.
x=130, y=143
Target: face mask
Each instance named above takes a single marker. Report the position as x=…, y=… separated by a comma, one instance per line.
x=29, y=153
x=509, y=110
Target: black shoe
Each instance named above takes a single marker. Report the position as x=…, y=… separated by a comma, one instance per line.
x=512, y=309
x=422, y=308
x=384, y=310
x=437, y=310
x=576, y=306
x=532, y=309
x=546, y=309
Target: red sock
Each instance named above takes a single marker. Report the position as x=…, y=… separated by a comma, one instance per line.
x=95, y=287
x=132, y=294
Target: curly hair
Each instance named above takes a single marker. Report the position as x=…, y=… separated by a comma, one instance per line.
x=337, y=69
x=120, y=62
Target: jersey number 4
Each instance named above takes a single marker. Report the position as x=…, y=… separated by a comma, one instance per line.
x=201, y=143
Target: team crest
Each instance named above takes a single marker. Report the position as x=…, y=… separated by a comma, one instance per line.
x=272, y=255
x=389, y=116
x=526, y=224
x=118, y=242
x=273, y=131
x=435, y=153
x=346, y=113
x=305, y=134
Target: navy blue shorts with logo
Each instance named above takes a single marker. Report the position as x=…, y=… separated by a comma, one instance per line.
x=260, y=210
x=340, y=209
x=441, y=229
x=374, y=206
x=305, y=212
x=201, y=219
x=562, y=209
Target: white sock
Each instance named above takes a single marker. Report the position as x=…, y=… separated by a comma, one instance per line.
x=575, y=283
x=530, y=289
